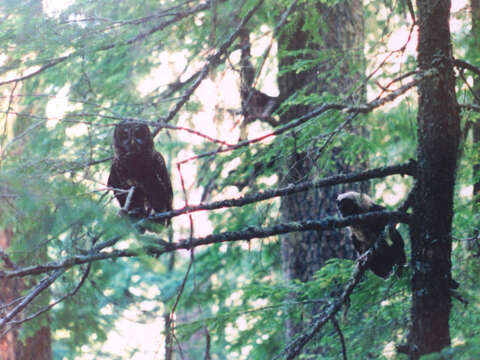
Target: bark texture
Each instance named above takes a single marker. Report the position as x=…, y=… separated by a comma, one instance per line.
x=340, y=32
x=438, y=138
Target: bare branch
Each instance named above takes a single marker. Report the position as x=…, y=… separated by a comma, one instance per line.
x=129, y=199
x=340, y=335
x=465, y=65
x=403, y=169
x=44, y=284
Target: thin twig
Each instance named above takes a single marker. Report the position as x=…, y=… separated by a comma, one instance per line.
x=51, y=305
x=126, y=207
x=334, y=321
x=192, y=257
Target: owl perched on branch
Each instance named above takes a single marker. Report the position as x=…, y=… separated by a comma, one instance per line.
x=365, y=235
x=137, y=163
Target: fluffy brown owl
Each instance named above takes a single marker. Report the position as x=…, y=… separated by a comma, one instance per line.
x=137, y=163
x=365, y=235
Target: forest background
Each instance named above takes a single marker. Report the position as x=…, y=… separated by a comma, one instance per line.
x=264, y=111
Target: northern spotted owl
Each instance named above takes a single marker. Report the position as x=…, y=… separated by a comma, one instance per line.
x=137, y=163
x=365, y=235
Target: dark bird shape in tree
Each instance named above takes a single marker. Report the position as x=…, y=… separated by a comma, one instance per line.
x=137, y=163
x=390, y=252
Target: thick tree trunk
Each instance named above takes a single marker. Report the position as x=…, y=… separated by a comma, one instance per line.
x=438, y=138
x=341, y=32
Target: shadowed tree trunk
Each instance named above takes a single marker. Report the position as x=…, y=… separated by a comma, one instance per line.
x=341, y=34
x=438, y=138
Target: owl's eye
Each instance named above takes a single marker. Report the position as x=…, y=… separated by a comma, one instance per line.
x=123, y=134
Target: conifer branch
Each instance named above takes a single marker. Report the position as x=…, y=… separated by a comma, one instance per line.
x=294, y=348
x=247, y=233
x=139, y=37
x=402, y=169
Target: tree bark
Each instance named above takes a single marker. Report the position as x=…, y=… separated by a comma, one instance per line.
x=36, y=347
x=340, y=31
x=438, y=138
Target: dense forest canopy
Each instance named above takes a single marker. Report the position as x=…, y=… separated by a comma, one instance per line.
x=264, y=111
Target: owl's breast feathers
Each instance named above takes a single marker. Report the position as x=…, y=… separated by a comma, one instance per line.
x=148, y=173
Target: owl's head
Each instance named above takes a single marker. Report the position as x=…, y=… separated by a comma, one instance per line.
x=132, y=139
x=352, y=203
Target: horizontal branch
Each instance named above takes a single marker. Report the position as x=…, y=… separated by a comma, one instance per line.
x=402, y=169
x=465, y=65
x=248, y=233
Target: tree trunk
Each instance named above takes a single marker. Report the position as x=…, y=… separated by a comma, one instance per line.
x=340, y=31
x=438, y=138
x=36, y=347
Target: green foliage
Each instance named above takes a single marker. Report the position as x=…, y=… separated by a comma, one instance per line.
x=55, y=158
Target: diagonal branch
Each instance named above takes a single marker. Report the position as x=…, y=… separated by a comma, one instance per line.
x=294, y=349
x=212, y=61
x=56, y=302
x=403, y=169
x=47, y=66
x=44, y=284
x=360, y=109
